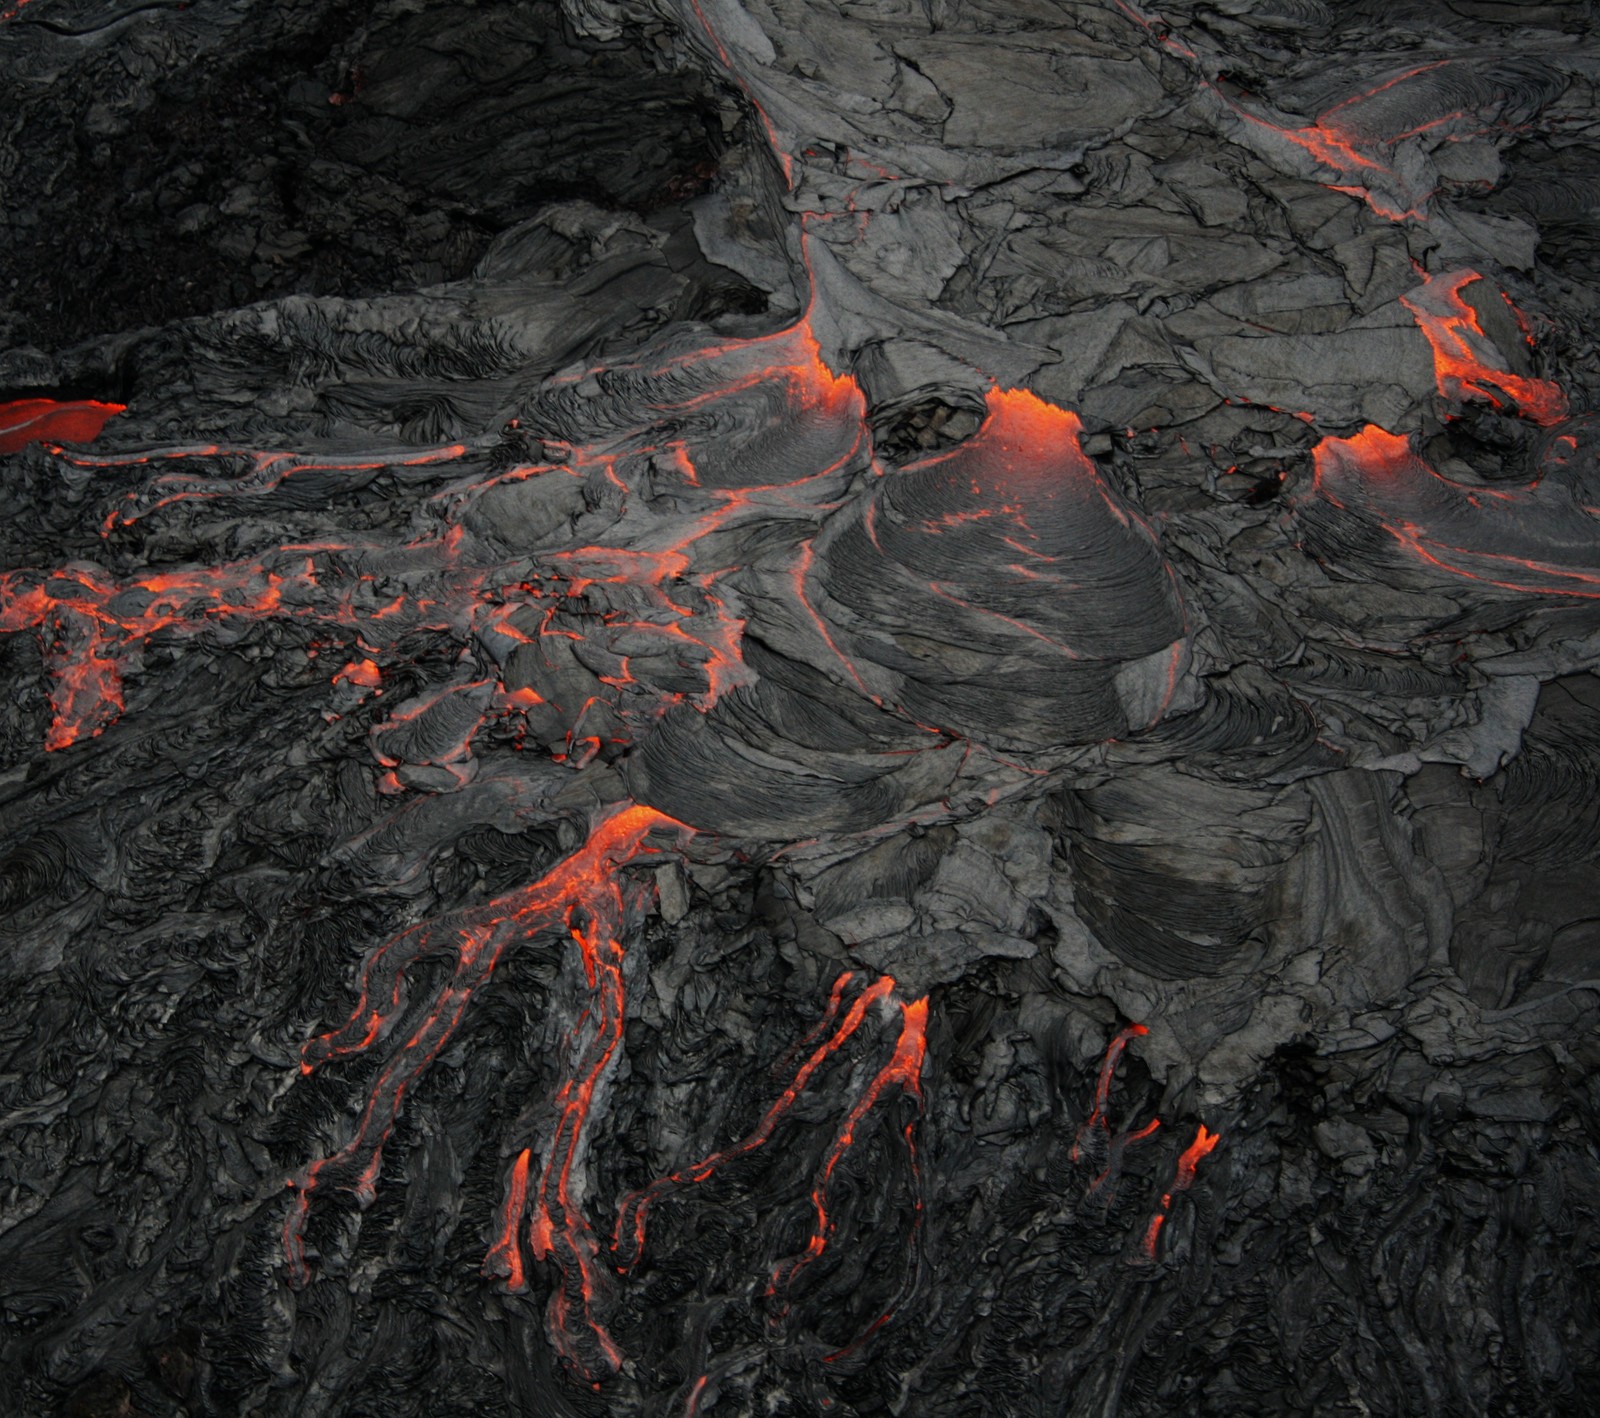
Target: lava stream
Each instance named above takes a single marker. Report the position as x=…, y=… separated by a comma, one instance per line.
x=1466, y=364
x=1537, y=540
x=587, y=881
x=1096, y=1121
x=635, y=1209
x=904, y=1069
x=1202, y=1146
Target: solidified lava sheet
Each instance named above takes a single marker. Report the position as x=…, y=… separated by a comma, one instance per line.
x=753, y=707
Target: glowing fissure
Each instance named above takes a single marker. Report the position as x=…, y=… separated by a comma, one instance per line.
x=629, y=1235
x=504, y=1260
x=903, y=1070
x=1096, y=1121
x=1335, y=141
x=557, y=1229
x=1095, y=1142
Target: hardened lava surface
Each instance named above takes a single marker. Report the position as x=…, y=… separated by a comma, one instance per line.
x=731, y=709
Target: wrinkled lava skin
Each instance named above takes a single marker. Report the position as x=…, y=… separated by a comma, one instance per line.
x=944, y=762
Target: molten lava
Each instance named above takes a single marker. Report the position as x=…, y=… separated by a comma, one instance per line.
x=634, y=1212
x=585, y=885
x=1537, y=540
x=902, y=1070
x=1466, y=365
x=1203, y=1145
x=1096, y=1121
x=26, y=421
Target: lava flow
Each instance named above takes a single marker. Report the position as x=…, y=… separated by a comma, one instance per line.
x=558, y=1229
x=25, y=421
x=586, y=884
x=1465, y=361
x=1013, y=546
x=1096, y=1121
x=94, y=628
x=1536, y=540
x=1095, y=1137
x=634, y=1212
x=903, y=1069
x=1202, y=1147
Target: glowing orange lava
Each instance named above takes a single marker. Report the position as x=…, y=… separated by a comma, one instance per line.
x=1533, y=540
x=1102, y=1089
x=1095, y=1142
x=585, y=884
x=1203, y=1145
x=903, y=1069
x=25, y=421
x=634, y=1212
x=1466, y=365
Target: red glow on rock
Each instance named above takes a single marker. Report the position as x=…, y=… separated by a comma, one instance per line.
x=1466, y=364
x=635, y=1209
x=90, y=627
x=1534, y=540
x=1375, y=450
x=1153, y=1234
x=822, y=1042
x=903, y=1069
x=26, y=421
x=505, y=1256
x=86, y=697
x=586, y=881
x=364, y=673
x=1095, y=1142
x=1204, y=1144
x=1102, y=1088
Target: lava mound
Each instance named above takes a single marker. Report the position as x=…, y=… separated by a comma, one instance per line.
x=1376, y=503
x=1003, y=591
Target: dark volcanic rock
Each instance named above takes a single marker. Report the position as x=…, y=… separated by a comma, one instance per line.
x=756, y=709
